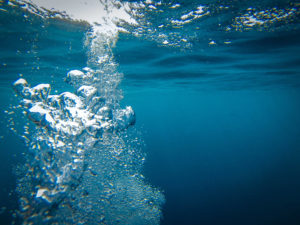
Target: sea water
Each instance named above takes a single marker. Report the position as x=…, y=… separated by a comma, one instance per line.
x=150, y=112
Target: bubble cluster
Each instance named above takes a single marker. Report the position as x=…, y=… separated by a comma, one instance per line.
x=84, y=164
x=263, y=19
x=71, y=114
x=84, y=168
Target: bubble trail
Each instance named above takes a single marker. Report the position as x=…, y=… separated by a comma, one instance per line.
x=84, y=164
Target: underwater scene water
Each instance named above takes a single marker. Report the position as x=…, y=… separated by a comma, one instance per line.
x=150, y=112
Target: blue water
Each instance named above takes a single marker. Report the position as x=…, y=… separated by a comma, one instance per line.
x=223, y=157
x=220, y=122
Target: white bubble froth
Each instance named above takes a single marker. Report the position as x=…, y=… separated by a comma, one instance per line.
x=85, y=166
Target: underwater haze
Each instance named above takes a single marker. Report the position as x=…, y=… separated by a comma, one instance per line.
x=150, y=112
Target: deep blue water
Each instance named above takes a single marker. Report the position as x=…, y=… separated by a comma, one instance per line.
x=221, y=123
x=223, y=157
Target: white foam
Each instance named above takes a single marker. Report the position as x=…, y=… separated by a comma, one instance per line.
x=87, y=92
x=69, y=113
x=175, y=6
x=78, y=147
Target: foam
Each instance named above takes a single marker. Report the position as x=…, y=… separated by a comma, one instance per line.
x=73, y=114
x=264, y=18
x=85, y=165
x=193, y=15
x=75, y=131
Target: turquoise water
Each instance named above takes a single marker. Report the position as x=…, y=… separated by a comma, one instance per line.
x=216, y=99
